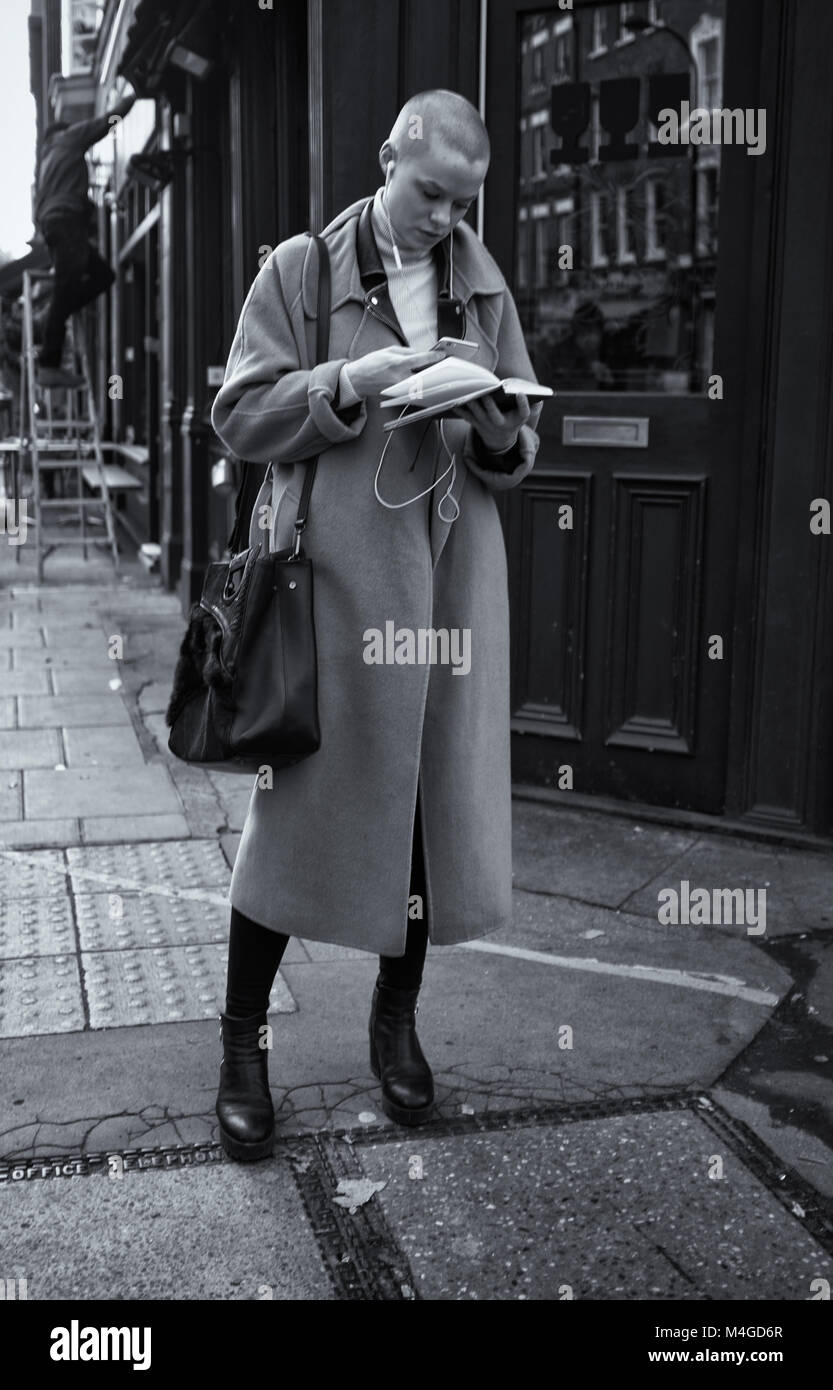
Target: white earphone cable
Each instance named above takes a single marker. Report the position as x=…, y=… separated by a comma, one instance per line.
x=452, y=467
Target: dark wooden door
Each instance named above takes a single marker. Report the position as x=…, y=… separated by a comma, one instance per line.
x=629, y=271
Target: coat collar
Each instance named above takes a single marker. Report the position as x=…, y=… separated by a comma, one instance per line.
x=355, y=259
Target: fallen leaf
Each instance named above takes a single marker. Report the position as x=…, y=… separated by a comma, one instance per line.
x=355, y=1192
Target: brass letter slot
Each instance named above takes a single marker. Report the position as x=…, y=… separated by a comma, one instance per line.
x=595, y=431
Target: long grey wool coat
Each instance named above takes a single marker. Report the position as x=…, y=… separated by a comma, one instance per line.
x=325, y=853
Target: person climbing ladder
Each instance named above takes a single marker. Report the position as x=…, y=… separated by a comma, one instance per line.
x=65, y=217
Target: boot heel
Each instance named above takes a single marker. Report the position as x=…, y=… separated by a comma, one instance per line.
x=243, y=1152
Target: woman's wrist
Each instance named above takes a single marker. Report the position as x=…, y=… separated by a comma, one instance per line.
x=347, y=393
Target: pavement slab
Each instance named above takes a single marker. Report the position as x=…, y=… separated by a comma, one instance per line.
x=41, y=873
x=31, y=682
x=581, y=932
x=162, y=985
x=103, y=830
x=184, y=867
x=11, y=790
x=20, y=616
x=40, y=994
x=620, y=1208
x=108, y=747
x=36, y=926
x=799, y=888
x=16, y=639
x=593, y=858
x=25, y=748
x=218, y=1232
x=84, y=680
x=128, y=921
x=57, y=711
x=38, y=834
x=100, y=791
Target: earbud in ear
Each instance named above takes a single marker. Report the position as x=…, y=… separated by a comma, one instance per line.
x=388, y=170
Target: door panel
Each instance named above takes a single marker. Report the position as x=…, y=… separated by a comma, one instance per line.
x=626, y=257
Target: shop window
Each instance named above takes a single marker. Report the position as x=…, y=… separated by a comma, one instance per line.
x=644, y=257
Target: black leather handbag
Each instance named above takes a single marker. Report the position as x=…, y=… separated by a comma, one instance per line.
x=245, y=690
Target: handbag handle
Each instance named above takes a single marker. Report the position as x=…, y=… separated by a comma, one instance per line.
x=322, y=343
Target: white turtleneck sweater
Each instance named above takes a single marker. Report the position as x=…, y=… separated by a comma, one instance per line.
x=412, y=291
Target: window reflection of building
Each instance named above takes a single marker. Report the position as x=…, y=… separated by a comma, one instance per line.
x=564, y=220
x=707, y=47
x=625, y=226
x=643, y=233
x=654, y=220
x=522, y=276
x=600, y=229
x=625, y=34
x=539, y=245
x=599, y=33
x=563, y=54
x=80, y=23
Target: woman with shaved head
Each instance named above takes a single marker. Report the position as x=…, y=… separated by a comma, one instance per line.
x=398, y=830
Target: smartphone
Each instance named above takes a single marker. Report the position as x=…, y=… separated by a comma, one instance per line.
x=457, y=347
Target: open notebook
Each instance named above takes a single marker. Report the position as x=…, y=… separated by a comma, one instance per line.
x=440, y=388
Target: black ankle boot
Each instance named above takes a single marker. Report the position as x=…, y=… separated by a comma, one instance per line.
x=397, y=1058
x=244, y=1104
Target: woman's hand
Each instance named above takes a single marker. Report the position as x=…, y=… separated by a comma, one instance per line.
x=370, y=374
x=497, y=428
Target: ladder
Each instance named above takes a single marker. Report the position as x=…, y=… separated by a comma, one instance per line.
x=62, y=436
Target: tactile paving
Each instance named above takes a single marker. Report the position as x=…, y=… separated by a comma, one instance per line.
x=122, y=921
x=32, y=873
x=36, y=926
x=181, y=864
x=40, y=995
x=162, y=985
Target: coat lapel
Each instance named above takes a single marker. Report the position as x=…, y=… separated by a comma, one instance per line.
x=358, y=274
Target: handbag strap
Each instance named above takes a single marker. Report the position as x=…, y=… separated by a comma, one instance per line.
x=322, y=349
x=322, y=343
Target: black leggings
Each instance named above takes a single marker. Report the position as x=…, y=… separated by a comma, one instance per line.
x=255, y=952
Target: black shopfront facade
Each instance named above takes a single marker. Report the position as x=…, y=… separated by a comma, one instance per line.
x=671, y=604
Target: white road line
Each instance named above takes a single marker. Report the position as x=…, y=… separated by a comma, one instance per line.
x=712, y=984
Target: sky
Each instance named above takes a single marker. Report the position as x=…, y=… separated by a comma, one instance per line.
x=17, y=123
